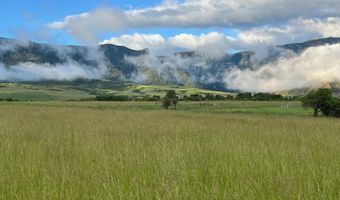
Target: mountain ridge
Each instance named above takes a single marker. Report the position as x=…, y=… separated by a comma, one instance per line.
x=194, y=72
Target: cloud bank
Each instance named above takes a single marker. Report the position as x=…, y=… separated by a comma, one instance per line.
x=266, y=16
x=213, y=44
x=314, y=67
x=33, y=71
x=39, y=72
x=256, y=39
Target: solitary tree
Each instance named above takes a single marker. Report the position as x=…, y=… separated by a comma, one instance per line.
x=169, y=99
x=320, y=100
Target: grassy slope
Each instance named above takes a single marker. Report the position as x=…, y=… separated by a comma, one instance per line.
x=55, y=91
x=55, y=150
x=40, y=93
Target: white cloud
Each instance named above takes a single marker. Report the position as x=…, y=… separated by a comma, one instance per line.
x=297, y=30
x=312, y=68
x=211, y=44
x=86, y=26
x=197, y=13
x=68, y=70
x=36, y=72
x=257, y=38
x=137, y=41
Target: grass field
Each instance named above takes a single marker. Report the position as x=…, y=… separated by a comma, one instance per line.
x=135, y=150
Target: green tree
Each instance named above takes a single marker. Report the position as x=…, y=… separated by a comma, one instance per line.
x=320, y=101
x=169, y=99
x=166, y=103
x=171, y=94
x=244, y=96
x=210, y=97
x=335, y=105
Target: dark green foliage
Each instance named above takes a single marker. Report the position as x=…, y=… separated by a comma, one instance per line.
x=258, y=97
x=229, y=97
x=210, y=97
x=10, y=99
x=147, y=98
x=244, y=96
x=322, y=102
x=171, y=94
x=196, y=97
x=335, y=105
x=169, y=99
x=108, y=97
x=154, y=98
x=319, y=100
x=185, y=98
x=219, y=97
x=267, y=97
x=166, y=103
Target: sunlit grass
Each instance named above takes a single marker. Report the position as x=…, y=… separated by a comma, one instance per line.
x=91, y=150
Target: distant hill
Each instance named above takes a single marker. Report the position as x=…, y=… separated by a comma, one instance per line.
x=13, y=52
x=299, y=47
x=189, y=68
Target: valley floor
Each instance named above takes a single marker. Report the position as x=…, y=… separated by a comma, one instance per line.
x=135, y=150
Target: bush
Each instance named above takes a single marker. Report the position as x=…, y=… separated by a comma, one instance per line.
x=219, y=97
x=267, y=97
x=244, y=96
x=9, y=99
x=196, y=97
x=210, y=97
x=109, y=97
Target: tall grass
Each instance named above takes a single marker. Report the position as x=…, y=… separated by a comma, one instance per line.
x=60, y=152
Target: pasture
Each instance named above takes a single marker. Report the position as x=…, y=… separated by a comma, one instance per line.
x=135, y=150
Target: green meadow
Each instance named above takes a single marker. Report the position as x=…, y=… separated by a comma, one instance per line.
x=136, y=150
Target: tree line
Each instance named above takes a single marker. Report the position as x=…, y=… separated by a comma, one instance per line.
x=199, y=97
x=9, y=99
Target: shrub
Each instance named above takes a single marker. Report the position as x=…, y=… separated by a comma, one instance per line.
x=244, y=96
x=267, y=97
x=109, y=97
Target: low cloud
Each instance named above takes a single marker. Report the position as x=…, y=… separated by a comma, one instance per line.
x=175, y=68
x=312, y=68
x=212, y=44
x=217, y=43
x=38, y=72
x=297, y=30
x=69, y=69
x=138, y=41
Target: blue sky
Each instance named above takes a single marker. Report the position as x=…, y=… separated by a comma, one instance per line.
x=250, y=23
x=25, y=17
x=29, y=19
